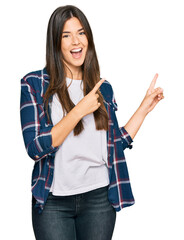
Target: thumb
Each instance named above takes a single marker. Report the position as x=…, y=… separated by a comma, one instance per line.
x=156, y=92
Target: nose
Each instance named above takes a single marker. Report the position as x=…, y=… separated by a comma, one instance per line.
x=75, y=39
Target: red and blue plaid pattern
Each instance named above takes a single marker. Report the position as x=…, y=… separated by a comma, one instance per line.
x=37, y=137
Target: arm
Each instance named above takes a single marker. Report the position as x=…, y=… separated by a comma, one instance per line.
x=62, y=129
x=135, y=122
x=40, y=141
x=152, y=97
x=37, y=139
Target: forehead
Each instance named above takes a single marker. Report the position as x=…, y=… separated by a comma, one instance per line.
x=72, y=24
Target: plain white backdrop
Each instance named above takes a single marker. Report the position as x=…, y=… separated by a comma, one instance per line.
x=134, y=40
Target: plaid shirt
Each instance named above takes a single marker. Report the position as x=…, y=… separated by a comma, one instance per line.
x=37, y=137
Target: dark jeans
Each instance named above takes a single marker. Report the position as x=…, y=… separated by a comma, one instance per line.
x=86, y=216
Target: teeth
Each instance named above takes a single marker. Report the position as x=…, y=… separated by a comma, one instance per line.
x=77, y=50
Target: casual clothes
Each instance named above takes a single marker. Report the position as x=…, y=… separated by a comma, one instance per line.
x=38, y=142
x=88, y=215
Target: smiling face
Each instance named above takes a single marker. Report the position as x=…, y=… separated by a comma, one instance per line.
x=74, y=44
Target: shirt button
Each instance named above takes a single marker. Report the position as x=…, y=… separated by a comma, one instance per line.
x=109, y=155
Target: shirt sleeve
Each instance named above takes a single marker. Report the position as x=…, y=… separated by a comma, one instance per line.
x=37, y=139
x=126, y=138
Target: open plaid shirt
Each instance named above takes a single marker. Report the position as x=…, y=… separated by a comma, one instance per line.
x=37, y=137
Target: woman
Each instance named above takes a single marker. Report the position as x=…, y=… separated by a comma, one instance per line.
x=80, y=177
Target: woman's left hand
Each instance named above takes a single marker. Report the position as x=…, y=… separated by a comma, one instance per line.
x=153, y=96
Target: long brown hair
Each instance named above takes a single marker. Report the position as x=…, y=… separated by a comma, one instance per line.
x=56, y=68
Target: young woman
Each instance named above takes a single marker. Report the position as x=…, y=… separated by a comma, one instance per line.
x=80, y=177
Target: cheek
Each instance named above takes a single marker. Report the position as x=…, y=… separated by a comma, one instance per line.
x=86, y=42
x=64, y=46
x=65, y=53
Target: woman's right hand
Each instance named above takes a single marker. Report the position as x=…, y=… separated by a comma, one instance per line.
x=90, y=102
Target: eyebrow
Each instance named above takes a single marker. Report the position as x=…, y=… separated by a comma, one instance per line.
x=77, y=30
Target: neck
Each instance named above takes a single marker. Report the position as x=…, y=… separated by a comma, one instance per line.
x=74, y=72
x=76, y=76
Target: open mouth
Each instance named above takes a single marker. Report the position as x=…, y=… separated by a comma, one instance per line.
x=76, y=53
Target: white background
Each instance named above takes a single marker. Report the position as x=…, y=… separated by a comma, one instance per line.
x=134, y=40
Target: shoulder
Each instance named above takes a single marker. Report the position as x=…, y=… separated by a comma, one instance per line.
x=33, y=81
x=32, y=76
x=107, y=90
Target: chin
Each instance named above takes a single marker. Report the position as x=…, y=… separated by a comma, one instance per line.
x=77, y=64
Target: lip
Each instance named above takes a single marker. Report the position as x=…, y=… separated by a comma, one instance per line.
x=79, y=54
x=76, y=48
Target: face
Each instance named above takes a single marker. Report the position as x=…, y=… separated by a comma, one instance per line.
x=74, y=44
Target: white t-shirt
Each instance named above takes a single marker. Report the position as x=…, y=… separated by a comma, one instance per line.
x=81, y=161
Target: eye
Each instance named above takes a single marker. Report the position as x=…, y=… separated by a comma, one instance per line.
x=65, y=36
x=82, y=33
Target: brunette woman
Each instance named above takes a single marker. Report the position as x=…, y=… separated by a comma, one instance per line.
x=80, y=177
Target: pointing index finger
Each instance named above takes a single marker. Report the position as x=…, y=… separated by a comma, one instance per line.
x=99, y=83
x=153, y=82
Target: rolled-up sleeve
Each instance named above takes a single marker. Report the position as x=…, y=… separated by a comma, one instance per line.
x=126, y=138
x=37, y=139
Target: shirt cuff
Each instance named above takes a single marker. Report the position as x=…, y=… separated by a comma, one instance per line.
x=41, y=145
x=126, y=138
